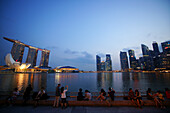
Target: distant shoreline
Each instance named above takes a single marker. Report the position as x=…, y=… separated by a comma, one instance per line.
x=10, y=72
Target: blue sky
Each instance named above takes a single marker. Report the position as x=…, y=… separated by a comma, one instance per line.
x=77, y=30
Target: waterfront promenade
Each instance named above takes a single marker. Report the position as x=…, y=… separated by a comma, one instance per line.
x=80, y=109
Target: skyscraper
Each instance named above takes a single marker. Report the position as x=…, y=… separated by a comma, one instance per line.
x=155, y=48
x=108, y=63
x=98, y=63
x=148, y=58
x=17, y=51
x=103, y=66
x=166, y=46
x=145, y=50
x=124, y=61
x=32, y=56
x=165, y=56
x=132, y=59
x=44, y=58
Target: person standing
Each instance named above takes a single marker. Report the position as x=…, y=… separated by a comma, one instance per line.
x=63, y=96
x=57, y=96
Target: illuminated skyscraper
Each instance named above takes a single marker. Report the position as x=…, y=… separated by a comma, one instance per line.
x=17, y=51
x=124, y=61
x=108, y=63
x=132, y=59
x=32, y=56
x=166, y=46
x=103, y=66
x=148, y=58
x=44, y=58
x=98, y=63
x=165, y=56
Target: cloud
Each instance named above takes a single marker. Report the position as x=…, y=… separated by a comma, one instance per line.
x=68, y=51
x=83, y=60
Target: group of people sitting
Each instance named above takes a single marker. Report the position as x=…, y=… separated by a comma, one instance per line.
x=135, y=97
x=156, y=97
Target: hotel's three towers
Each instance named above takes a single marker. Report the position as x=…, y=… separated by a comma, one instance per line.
x=17, y=52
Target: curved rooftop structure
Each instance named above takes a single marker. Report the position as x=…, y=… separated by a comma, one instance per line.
x=66, y=69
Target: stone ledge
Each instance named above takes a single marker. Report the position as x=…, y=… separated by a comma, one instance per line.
x=88, y=103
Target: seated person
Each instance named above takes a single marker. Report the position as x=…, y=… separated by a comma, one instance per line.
x=131, y=95
x=80, y=95
x=148, y=94
x=102, y=95
x=167, y=92
x=111, y=93
x=138, y=98
x=87, y=95
x=159, y=99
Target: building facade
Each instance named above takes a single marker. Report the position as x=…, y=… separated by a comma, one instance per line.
x=124, y=61
x=32, y=56
x=44, y=58
x=155, y=49
x=108, y=63
x=132, y=58
x=103, y=66
x=148, y=58
x=17, y=51
x=98, y=63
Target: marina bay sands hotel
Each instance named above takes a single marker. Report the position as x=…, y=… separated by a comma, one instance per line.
x=17, y=52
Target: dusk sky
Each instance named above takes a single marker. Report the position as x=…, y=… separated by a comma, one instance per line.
x=75, y=31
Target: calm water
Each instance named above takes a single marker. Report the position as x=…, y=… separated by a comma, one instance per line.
x=92, y=81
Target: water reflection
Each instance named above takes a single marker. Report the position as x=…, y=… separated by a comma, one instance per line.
x=121, y=82
x=104, y=80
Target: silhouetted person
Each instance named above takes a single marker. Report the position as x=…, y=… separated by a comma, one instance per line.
x=57, y=97
x=80, y=96
x=27, y=93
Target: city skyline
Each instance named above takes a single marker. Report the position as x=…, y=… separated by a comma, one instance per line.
x=75, y=31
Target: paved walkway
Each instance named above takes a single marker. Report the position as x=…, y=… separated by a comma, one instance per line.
x=49, y=109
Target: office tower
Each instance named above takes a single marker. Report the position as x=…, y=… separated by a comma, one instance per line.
x=32, y=56
x=145, y=50
x=148, y=58
x=155, y=48
x=98, y=63
x=141, y=63
x=44, y=58
x=124, y=61
x=108, y=63
x=17, y=51
x=103, y=66
x=132, y=59
x=166, y=46
x=165, y=56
